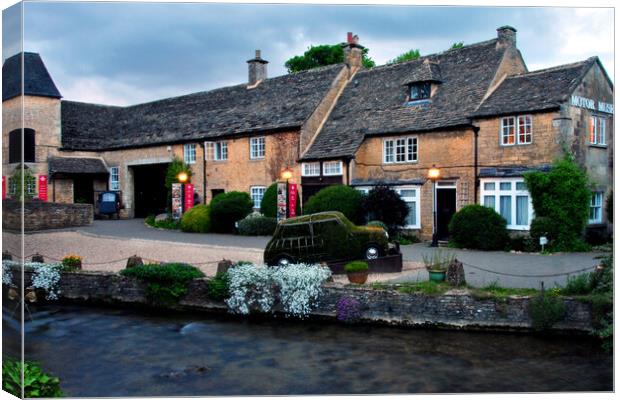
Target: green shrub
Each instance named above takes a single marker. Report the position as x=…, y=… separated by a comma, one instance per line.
x=196, y=219
x=524, y=243
x=545, y=311
x=384, y=204
x=563, y=196
x=542, y=226
x=378, y=224
x=168, y=223
x=577, y=285
x=257, y=226
x=37, y=383
x=268, y=205
x=337, y=198
x=404, y=238
x=228, y=208
x=356, y=266
x=166, y=283
x=218, y=287
x=478, y=227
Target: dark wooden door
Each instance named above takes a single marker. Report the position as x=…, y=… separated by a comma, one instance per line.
x=446, y=207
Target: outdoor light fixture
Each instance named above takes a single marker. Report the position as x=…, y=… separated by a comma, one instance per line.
x=182, y=177
x=433, y=175
x=287, y=174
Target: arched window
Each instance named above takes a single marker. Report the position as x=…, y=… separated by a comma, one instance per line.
x=15, y=145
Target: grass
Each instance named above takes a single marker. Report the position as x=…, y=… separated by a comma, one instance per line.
x=495, y=291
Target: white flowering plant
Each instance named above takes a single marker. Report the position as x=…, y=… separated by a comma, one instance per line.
x=296, y=287
x=45, y=276
x=7, y=273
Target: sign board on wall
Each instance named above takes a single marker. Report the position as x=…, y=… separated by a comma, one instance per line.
x=177, y=200
x=281, y=201
x=590, y=104
x=43, y=187
x=189, y=196
x=292, y=200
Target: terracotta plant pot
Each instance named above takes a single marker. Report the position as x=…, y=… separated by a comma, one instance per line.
x=437, y=276
x=358, y=277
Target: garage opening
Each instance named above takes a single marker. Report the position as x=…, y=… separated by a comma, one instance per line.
x=150, y=193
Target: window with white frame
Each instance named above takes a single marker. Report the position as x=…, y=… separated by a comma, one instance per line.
x=332, y=168
x=257, y=147
x=189, y=153
x=510, y=198
x=401, y=150
x=257, y=193
x=596, y=208
x=597, y=130
x=411, y=196
x=31, y=185
x=216, y=151
x=311, y=169
x=516, y=130
x=114, y=178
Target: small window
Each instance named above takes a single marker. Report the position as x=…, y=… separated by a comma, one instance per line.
x=516, y=130
x=257, y=193
x=419, y=91
x=216, y=151
x=15, y=145
x=508, y=131
x=597, y=130
x=401, y=150
x=332, y=168
x=410, y=196
x=525, y=129
x=114, y=178
x=257, y=148
x=596, y=208
x=189, y=153
x=311, y=169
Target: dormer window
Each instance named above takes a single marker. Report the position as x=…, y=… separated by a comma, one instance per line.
x=419, y=91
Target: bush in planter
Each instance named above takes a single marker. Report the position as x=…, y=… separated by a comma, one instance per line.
x=228, y=208
x=72, y=262
x=268, y=205
x=384, y=204
x=337, y=198
x=197, y=219
x=478, y=227
x=355, y=267
x=166, y=283
x=257, y=225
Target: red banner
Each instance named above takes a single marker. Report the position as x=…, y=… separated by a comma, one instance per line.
x=292, y=200
x=43, y=187
x=189, y=196
x=3, y=188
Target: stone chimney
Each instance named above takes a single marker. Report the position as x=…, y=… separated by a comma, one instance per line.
x=352, y=51
x=507, y=36
x=257, y=70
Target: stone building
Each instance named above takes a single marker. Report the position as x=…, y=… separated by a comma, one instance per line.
x=476, y=113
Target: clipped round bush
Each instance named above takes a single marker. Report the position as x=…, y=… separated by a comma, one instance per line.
x=268, y=205
x=257, y=226
x=337, y=198
x=478, y=227
x=378, y=224
x=356, y=266
x=228, y=208
x=197, y=219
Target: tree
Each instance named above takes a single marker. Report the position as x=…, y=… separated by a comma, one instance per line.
x=407, y=56
x=385, y=205
x=318, y=56
x=561, y=196
x=457, y=45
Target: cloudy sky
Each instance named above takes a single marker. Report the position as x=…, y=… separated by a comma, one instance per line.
x=128, y=53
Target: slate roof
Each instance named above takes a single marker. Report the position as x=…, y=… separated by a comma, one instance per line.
x=37, y=81
x=376, y=101
x=535, y=91
x=508, y=172
x=277, y=103
x=76, y=165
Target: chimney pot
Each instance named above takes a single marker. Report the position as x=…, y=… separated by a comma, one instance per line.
x=257, y=53
x=349, y=37
x=507, y=36
x=353, y=51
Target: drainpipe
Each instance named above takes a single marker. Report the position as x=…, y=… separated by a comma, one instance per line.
x=476, y=130
x=348, y=171
x=204, y=173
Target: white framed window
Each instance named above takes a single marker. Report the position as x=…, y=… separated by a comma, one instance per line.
x=31, y=185
x=516, y=130
x=257, y=193
x=216, y=151
x=189, y=153
x=331, y=168
x=597, y=130
x=115, y=178
x=311, y=169
x=257, y=147
x=596, y=208
x=401, y=150
x=510, y=198
x=411, y=196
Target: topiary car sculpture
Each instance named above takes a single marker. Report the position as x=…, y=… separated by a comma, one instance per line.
x=325, y=237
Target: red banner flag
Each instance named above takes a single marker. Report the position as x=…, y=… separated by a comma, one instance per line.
x=292, y=200
x=189, y=196
x=43, y=187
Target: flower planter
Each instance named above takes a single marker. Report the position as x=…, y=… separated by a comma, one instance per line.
x=436, y=276
x=358, y=277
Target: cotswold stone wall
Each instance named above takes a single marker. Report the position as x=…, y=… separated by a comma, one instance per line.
x=40, y=216
x=455, y=310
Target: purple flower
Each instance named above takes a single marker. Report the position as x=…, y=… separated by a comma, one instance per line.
x=348, y=309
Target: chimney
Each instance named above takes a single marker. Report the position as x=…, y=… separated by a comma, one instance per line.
x=507, y=36
x=352, y=51
x=257, y=70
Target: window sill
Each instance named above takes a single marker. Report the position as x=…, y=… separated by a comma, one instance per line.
x=340, y=174
x=257, y=159
x=598, y=146
x=400, y=162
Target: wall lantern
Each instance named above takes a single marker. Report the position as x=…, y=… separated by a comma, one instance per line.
x=433, y=173
x=182, y=177
x=286, y=174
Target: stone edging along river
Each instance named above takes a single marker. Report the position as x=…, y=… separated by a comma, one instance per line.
x=456, y=309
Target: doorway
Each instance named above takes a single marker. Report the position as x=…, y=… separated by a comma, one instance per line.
x=83, y=191
x=149, y=187
x=446, y=207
